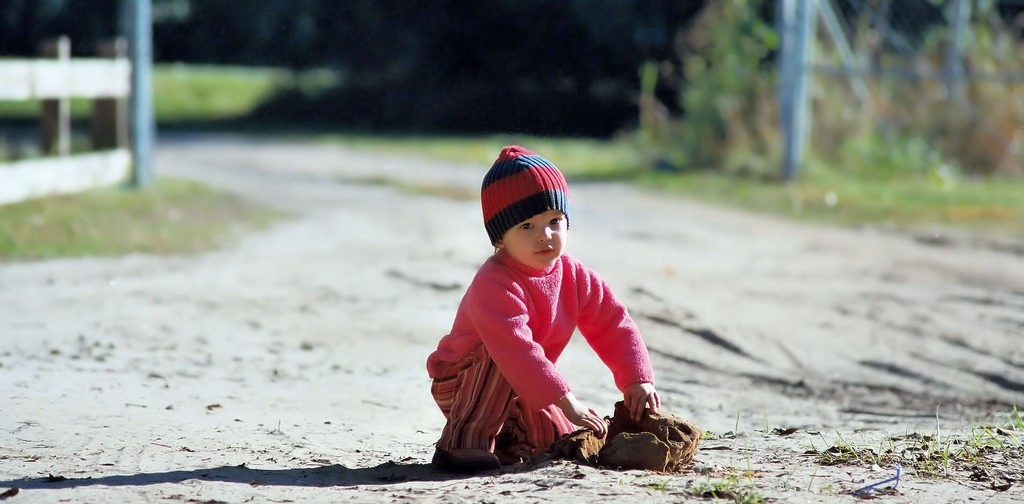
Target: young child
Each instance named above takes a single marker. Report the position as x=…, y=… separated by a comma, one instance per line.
x=494, y=374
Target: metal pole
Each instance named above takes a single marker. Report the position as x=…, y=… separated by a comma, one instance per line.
x=799, y=21
x=828, y=15
x=784, y=26
x=954, y=65
x=142, y=94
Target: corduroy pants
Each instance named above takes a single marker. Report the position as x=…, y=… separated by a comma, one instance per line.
x=479, y=404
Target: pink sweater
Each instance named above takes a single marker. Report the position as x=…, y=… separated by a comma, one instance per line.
x=524, y=317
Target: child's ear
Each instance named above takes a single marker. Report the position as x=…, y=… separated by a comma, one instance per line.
x=498, y=245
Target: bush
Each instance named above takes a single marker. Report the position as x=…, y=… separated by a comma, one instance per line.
x=908, y=125
x=729, y=102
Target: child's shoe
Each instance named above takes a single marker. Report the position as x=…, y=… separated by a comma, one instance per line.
x=465, y=460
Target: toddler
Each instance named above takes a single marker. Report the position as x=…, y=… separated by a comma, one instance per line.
x=494, y=374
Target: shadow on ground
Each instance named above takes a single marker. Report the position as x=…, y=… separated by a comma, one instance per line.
x=325, y=476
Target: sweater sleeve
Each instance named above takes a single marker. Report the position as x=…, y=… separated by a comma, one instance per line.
x=606, y=325
x=500, y=315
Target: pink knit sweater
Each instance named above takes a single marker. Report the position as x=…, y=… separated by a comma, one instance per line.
x=524, y=317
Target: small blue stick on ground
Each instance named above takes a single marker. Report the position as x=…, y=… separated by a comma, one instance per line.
x=895, y=480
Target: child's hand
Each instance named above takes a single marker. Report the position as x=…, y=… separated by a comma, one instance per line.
x=639, y=396
x=580, y=415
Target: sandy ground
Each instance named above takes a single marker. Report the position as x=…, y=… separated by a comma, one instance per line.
x=290, y=368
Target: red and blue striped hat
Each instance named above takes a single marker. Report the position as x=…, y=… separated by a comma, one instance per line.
x=519, y=185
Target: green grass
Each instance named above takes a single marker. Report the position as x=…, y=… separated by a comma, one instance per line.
x=170, y=217
x=936, y=456
x=197, y=93
x=1016, y=420
x=732, y=490
x=830, y=197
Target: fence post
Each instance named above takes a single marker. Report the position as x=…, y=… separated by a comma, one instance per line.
x=55, y=114
x=110, y=115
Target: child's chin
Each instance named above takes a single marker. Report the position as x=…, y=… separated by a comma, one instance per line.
x=546, y=261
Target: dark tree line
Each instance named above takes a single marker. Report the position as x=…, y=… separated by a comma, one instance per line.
x=536, y=66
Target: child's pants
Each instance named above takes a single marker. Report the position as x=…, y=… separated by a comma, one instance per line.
x=479, y=404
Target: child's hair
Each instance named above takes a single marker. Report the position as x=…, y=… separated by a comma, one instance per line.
x=519, y=185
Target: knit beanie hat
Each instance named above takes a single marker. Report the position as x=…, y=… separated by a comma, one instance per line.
x=519, y=185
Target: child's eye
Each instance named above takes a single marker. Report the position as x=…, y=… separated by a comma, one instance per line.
x=556, y=220
x=525, y=226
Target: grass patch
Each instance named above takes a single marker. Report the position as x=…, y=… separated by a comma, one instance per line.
x=184, y=96
x=657, y=485
x=989, y=453
x=190, y=93
x=731, y=489
x=1016, y=420
x=169, y=217
x=831, y=198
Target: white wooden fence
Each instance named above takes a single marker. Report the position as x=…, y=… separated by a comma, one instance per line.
x=54, y=81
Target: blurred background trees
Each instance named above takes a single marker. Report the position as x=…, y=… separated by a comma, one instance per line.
x=692, y=82
x=531, y=66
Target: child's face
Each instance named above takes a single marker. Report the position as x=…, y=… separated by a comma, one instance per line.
x=538, y=241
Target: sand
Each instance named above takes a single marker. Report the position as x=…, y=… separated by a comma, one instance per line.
x=290, y=367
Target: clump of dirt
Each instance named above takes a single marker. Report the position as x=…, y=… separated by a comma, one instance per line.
x=641, y=450
x=658, y=442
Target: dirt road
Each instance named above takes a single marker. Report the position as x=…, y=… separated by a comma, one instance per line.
x=291, y=367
